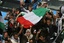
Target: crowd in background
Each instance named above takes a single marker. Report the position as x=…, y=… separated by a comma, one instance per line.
x=43, y=32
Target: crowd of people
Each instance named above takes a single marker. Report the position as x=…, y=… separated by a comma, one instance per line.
x=44, y=31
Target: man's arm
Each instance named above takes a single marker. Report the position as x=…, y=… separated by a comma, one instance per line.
x=20, y=30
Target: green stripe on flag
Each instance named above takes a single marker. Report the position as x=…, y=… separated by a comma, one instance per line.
x=2, y=26
x=41, y=11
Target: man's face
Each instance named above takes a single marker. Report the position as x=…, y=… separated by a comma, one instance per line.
x=5, y=35
x=28, y=33
x=48, y=15
x=21, y=2
x=30, y=8
x=16, y=37
x=48, y=22
x=17, y=12
x=42, y=38
x=45, y=5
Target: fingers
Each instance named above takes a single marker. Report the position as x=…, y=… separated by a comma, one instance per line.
x=39, y=32
x=22, y=25
x=30, y=27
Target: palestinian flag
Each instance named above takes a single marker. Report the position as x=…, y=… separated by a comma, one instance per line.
x=31, y=18
x=2, y=26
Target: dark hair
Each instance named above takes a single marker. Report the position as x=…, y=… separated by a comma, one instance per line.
x=29, y=6
x=27, y=1
x=14, y=33
x=5, y=32
x=50, y=13
x=39, y=4
x=60, y=14
x=18, y=9
x=42, y=34
x=11, y=14
x=48, y=19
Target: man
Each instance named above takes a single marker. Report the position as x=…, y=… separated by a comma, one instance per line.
x=23, y=5
x=28, y=34
x=29, y=9
x=41, y=39
x=15, y=38
x=6, y=38
x=60, y=24
x=51, y=29
x=44, y=4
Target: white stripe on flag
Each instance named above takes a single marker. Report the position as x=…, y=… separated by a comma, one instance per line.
x=33, y=18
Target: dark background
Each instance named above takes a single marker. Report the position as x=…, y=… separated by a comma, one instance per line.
x=8, y=4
